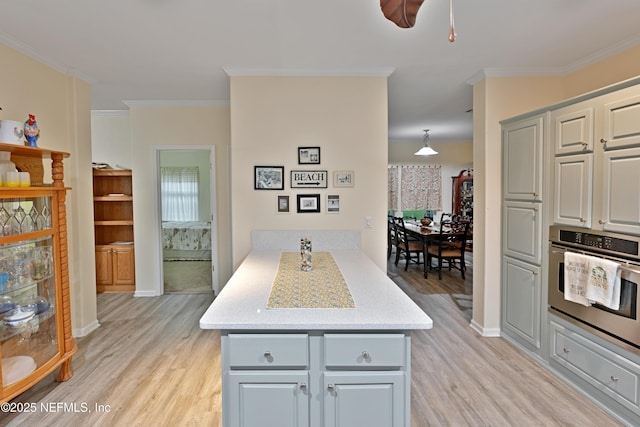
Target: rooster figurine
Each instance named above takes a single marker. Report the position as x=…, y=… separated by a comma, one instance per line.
x=31, y=131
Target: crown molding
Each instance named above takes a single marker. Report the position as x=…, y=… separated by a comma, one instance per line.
x=305, y=72
x=42, y=59
x=111, y=113
x=168, y=103
x=556, y=71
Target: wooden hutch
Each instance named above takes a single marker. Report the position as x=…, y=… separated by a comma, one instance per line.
x=462, y=194
x=35, y=325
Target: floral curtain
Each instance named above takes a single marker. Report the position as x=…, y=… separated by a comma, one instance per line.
x=418, y=187
x=179, y=193
x=392, y=184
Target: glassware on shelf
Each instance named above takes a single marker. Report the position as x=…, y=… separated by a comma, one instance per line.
x=4, y=282
x=35, y=302
x=19, y=316
x=6, y=304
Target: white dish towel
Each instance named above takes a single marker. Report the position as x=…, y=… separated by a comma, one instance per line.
x=603, y=286
x=576, y=277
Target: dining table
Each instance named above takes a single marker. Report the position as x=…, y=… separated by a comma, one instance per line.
x=426, y=234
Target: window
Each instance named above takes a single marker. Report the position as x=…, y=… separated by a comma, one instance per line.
x=179, y=193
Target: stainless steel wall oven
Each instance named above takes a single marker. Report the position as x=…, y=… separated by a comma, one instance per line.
x=621, y=326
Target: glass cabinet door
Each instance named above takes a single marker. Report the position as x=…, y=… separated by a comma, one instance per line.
x=28, y=329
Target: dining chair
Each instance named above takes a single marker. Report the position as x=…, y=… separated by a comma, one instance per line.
x=405, y=244
x=450, y=247
x=391, y=236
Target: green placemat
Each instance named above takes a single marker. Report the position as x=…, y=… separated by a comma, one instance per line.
x=322, y=287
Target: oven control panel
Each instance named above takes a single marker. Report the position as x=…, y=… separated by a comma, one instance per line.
x=609, y=242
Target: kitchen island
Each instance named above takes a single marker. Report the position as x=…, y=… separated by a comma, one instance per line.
x=315, y=366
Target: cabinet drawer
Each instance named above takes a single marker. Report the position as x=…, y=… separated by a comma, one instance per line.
x=268, y=350
x=612, y=374
x=364, y=351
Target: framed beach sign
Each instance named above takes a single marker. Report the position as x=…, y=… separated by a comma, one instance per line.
x=308, y=179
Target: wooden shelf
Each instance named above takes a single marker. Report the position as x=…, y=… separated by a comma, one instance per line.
x=34, y=152
x=113, y=199
x=113, y=222
x=112, y=172
x=116, y=222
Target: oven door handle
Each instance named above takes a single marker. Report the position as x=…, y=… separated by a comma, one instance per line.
x=628, y=269
x=556, y=250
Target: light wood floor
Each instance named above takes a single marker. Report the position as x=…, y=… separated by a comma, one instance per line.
x=151, y=365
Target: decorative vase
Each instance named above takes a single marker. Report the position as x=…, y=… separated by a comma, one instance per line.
x=305, y=254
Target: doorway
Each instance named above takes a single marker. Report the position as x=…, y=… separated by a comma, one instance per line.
x=187, y=206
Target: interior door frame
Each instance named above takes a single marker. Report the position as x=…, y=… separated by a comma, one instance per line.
x=215, y=279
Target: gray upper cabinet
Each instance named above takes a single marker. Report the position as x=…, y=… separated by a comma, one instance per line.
x=621, y=191
x=597, y=162
x=573, y=190
x=621, y=127
x=572, y=129
x=522, y=151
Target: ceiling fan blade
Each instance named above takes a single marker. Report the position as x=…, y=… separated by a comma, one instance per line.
x=401, y=12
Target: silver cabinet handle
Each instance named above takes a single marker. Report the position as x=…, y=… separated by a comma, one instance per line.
x=566, y=350
x=584, y=144
x=267, y=353
x=535, y=194
x=583, y=220
x=331, y=388
x=602, y=140
x=303, y=386
x=601, y=221
x=614, y=378
x=365, y=355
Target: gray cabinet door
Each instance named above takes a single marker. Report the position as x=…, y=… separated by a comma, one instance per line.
x=522, y=234
x=573, y=129
x=522, y=159
x=267, y=398
x=521, y=294
x=372, y=399
x=621, y=191
x=573, y=190
x=622, y=122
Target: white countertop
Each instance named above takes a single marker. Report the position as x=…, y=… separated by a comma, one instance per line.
x=380, y=303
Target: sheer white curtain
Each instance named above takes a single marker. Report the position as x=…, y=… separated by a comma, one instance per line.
x=179, y=193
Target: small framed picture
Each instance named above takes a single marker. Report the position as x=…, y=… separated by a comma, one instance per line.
x=333, y=203
x=282, y=203
x=343, y=179
x=308, y=155
x=308, y=203
x=268, y=177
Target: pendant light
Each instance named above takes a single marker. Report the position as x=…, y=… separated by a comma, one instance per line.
x=426, y=150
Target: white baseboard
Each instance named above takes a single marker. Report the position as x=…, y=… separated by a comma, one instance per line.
x=483, y=331
x=83, y=332
x=145, y=294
